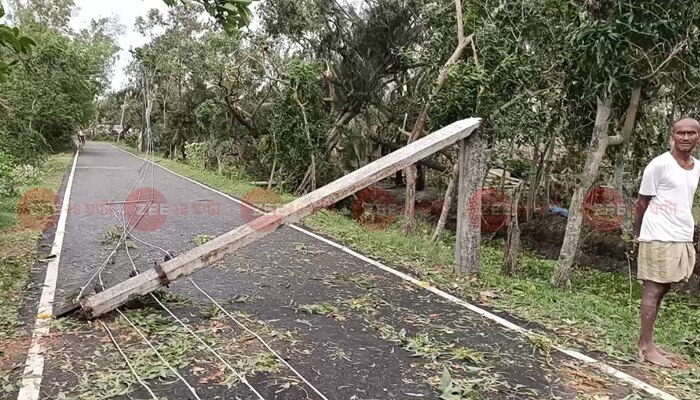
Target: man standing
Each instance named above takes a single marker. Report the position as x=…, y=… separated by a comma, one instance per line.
x=663, y=229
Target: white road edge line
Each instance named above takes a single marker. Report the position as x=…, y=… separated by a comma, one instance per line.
x=34, y=368
x=634, y=382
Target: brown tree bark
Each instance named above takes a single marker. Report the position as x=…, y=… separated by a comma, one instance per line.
x=549, y=163
x=121, y=121
x=312, y=167
x=472, y=169
x=596, y=151
x=622, y=185
x=534, y=175
x=410, y=205
x=145, y=134
x=511, y=255
x=446, y=204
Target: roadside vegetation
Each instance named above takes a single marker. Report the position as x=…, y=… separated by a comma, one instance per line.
x=597, y=314
x=575, y=98
x=23, y=218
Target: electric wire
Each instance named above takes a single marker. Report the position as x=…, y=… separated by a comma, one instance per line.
x=250, y=331
x=126, y=233
x=162, y=359
x=123, y=238
x=214, y=352
x=133, y=371
x=259, y=338
x=235, y=372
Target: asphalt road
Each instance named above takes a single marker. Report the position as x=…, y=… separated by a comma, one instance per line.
x=352, y=330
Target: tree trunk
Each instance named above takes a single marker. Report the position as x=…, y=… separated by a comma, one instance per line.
x=121, y=121
x=398, y=178
x=417, y=131
x=534, y=172
x=144, y=137
x=446, y=204
x=333, y=138
x=511, y=255
x=420, y=177
x=619, y=182
x=140, y=144
x=472, y=169
x=335, y=132
x=272, y=174
x=599, y=142
x=410, y=205
x=594, y=157
x=549, y=162
x=165, y=117
x=312, y=167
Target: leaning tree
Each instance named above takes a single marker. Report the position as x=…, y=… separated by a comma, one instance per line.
x=617, y=52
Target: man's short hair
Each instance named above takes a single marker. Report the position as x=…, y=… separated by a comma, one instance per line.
x=687, y=120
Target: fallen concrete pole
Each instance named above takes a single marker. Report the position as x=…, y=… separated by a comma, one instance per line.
x=226, y=244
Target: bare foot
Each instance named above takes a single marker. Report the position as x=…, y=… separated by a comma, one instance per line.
x=660, y=350
x=653, y=355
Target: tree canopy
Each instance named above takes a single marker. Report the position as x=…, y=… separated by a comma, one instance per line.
x=321, y=87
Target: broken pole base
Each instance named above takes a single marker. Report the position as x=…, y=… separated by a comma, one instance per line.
x=65, y=310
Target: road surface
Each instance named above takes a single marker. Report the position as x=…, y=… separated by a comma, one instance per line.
x=349, y=328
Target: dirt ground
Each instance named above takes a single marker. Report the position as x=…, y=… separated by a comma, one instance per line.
x=543, y=235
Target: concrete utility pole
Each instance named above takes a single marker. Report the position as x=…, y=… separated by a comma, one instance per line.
x=218, y=248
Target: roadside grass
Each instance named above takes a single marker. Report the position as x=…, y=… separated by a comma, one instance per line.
x=596, y=313
x=599, y=312
x=18, y=245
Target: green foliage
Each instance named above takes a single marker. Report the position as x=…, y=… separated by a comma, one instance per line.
x=18, y=45
x=458, y=98
x=27, y=173
x=131, y=140
x=201, y=239
x=12, y=175
x=230, y=14
x=18, y=247
x=7, y=176
x=44, y=105
x=597, y=310
x=459, y=389
x=287, y=144
x=195, y=153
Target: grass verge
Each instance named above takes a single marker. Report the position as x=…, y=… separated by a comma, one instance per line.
x=599, y=312
x=18, y=242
